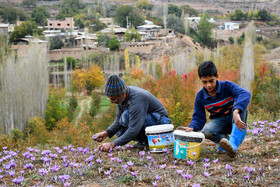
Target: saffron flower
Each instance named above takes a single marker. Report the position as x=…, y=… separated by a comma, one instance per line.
x=206, y=174
x=124, y=167
x=228, y=167
x=180, y=171
x=43, y=171
x=55, y=168
x=163, y=166
x=190, y=162
x=207, y=165
x=18, y=180
x=245, y=168
x=98, y=160
x=130, y=163
x=12, y=173
x=108, y=172
x=195, y=185
x=134, y=173
x=119, y=160
x=216, y=161
x=63, y=178
x=142, y=153
x=158, y=177
x=155, y=184
x=66, y=184
x=206, y=159
x=194, y=153
x=187, y=175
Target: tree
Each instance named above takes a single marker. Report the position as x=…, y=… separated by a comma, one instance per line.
x=143, y=4
x=188, y=10
x=70, y=8
x=132, y=34
x=88, y=79
x=72, y=105
x=238, y=15
x=29, y=3
x=205, y=31
x=95, y=25
x=56, y=43
x=80, y=20
x=124, y=12
x=26, y=28
x=173, y=9
x=102, y=39
x=264, y=15
x=40, y=15
x=94, y=104
x=175, y=23
x=11, y=15
x=114, y=44
x=71, y=62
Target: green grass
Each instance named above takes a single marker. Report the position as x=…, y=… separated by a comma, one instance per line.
x=104, y=104
x=76, y=113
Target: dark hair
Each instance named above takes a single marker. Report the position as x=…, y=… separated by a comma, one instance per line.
x=207, y=68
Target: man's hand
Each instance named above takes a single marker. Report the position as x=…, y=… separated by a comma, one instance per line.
x=106, y=146
x=237, y=120
x=187, y=129
x=99, y=137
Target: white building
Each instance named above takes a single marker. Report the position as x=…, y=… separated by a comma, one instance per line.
x=231, y=26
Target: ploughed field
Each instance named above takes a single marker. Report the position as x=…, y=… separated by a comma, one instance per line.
x=256, y=164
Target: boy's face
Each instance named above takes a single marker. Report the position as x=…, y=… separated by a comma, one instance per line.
x=210, y=83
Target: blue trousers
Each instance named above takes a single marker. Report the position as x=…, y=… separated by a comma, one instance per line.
x=150, y=120
x=219, y=128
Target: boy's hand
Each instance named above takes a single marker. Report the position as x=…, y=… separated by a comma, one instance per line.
x=237, y=120
x=187, y=129
x=99, y=137
x=106, y=146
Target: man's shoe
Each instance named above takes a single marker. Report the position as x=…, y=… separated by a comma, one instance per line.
x=139, y=145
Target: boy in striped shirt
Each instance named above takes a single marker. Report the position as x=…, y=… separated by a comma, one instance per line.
x=226, y=102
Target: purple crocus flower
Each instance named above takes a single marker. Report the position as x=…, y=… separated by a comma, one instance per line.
x=94, y=136
x=18, y=180
x=108, y=172
x=4, y=148
x=195, y=185
x=247, y=177
x=1, y=176
x=43, y=171
x=63, y=178
x=194, y=153
x=33, y=158
x=245, y=168
x=12, y=173
x=206, y=159
x=206, y=174
x=66, y=184
x=216, y=161
x=127, y=146
x=22, y=172
x=163, y=166
x=207, y=165
x=119, y=160
x=134, y=173
x=113, y=159
x=28, y=166
x=190, y=162
x=148, y=157
x=155, y=184
x=12, y=153
x=7, y=166
x=228, y=167
x=130, y=163
x=180, y=171
x=158, y=177
x=98, y=160
x=118, y=147
x=187, y=175
x=55, y=168
x=142, y=153
x=110, y=155
x=124, y=167
x=251, y=170
x=30, y=149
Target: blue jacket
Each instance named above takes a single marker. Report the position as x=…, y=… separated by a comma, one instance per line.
x=229, y=96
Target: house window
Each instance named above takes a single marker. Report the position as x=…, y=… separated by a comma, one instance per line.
x=58, y=24
x=50, y=24
x=68, y=24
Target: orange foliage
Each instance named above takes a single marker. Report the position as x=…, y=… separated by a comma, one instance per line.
x=137, y=73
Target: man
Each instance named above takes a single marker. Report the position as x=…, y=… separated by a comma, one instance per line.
x=226, y=102
x=137, y=109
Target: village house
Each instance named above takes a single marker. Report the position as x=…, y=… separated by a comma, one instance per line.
x=150, y=29
x=22, y=45
x=117, y=30
x=5, y=29
x=106, y=21
x=67, y=24
x=231, y=26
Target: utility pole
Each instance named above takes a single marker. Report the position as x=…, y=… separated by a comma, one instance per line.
x=127, y=22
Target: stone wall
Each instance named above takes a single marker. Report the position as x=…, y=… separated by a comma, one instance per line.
x=140, y=47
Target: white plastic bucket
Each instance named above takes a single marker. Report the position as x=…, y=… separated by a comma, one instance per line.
x=160, y=137
x=187, y=144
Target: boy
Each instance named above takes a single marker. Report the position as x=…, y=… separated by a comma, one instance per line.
x=226, y=102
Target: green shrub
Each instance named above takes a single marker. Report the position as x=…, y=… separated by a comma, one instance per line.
x=54, y=111
x=16, y=135
x=231, y=39
x=36, y=131
x=72, y=105
x=95, y=104
x=114, y=44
